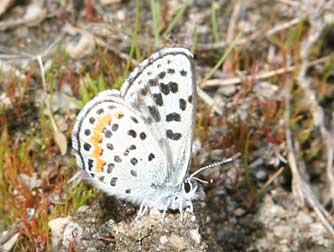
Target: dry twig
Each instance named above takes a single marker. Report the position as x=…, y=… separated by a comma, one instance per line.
x=260, y=76
x=5, y=5
x=233, y=21
x=255, y=36
x=34, y=15
x=14, y=229
x=301, y=189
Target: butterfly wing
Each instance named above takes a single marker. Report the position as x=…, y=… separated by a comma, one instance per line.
x=115, y=148
x=163, y=89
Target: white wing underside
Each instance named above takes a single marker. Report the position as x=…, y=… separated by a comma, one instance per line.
x=124, y=158
x=140, y=138
x=170, y=73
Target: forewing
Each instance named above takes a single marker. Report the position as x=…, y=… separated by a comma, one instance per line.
x=163, y=89
x=113, y=145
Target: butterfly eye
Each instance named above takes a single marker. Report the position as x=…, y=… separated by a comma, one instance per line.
x=187, y=186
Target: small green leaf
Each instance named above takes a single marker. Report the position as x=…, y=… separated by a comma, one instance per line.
x=101, y=83
x=92, y=84
x=84, y=93
x=79, y=104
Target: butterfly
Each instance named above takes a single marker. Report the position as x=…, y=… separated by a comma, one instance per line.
x=135, y=143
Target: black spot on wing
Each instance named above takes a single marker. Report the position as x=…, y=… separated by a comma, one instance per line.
x=182, y=104
x=170, y=71
x=162, y=74
x=117, y=159
x=126, y=152
x=143, y=91
x=90, y=164
x=91, y=120
x=132, y=133
x=164, y=88
x=173, y=136
x=173, y=117
x=133, y=173
x=110, y=167
x=100, y=111
x=173, y=87
x=110, y=146
x=113, y=181
x=134, y=119
x=87, y=146
x=190, y=98
x=114, y=127
x=183, y=72
x=151, y=156
x=158, y=99
x=107, y=133
x=153, y=82
x=134, y=161
x=142, y=136
x=154, y=113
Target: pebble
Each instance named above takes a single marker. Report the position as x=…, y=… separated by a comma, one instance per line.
x=265, y=90
x=163, y=239
x=217, y=155
x=57, y=227
x=81, y=47
x=227, y=90
x=71, y=230
x=177, y=242
x=195, y=235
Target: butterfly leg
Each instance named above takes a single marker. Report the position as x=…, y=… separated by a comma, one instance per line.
x=191, y=206
x=141, y=212
x=163, y=215
x=165, y=209
x=181, y=211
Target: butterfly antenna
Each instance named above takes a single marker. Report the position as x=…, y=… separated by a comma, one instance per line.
x=200, y=180
x=192, y=176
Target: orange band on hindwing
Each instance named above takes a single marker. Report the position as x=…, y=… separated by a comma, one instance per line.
x=96, y=139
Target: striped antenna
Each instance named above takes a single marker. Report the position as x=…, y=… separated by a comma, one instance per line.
x=192, y=176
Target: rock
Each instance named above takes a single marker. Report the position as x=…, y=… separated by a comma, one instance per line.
x=81, y=46
x=195, y=235
x=72, y=233
x=57, y=227
x=265, y=90
x=178, y=242
x=290, y=228
x=283, y=231
x=164, y=240
x=227, y=90
x=217, y=154
x=99, y=232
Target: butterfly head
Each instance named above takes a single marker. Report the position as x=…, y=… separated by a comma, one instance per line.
x=183, y=198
